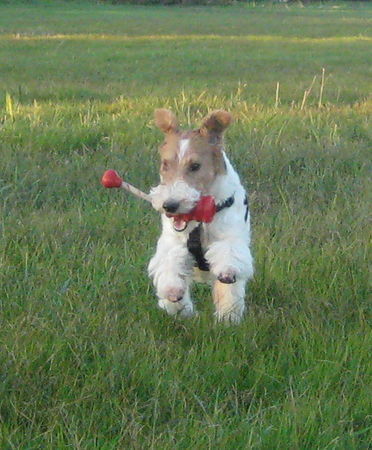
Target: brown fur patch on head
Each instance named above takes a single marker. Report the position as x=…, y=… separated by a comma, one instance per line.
x=202, y=160
x=216, y=123
x=207, y=158
x=166, y=120
x=170, y=146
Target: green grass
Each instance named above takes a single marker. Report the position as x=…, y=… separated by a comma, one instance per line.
x=86, y=359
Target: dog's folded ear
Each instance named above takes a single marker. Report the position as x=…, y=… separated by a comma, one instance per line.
x=166, y=120
x=216, y=123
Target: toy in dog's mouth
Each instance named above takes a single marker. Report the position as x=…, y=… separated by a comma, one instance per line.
x=204, y=211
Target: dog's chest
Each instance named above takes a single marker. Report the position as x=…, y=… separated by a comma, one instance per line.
x=200, y=238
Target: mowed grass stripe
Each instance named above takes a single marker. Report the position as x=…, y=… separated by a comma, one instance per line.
x=183, y=37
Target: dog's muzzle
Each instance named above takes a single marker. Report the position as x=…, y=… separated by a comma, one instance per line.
x=174, y=200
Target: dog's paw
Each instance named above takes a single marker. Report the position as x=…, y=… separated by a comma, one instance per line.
x=232, y=316
x=227, y=277
x=180, y=309
x=174, y=294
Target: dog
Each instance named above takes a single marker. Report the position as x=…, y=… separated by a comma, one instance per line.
x=194, y=163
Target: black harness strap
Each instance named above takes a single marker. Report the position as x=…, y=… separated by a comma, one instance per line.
x=247, y=207
x=225, y=204
x=195, y=248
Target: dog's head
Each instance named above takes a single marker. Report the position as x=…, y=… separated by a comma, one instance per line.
x=190, y=161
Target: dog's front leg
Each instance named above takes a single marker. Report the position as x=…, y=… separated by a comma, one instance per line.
x=171, y=269
x=230, y=259
x=229, y=300
x=232, y=264
x=182, y=308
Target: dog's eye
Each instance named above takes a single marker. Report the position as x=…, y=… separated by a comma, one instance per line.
x=194, y=167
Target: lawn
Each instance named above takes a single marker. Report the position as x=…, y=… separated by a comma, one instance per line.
x=86, y=359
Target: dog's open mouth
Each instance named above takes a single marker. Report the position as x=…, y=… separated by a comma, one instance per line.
x=178, y=223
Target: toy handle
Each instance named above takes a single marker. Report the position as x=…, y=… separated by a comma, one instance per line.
x=111, y=179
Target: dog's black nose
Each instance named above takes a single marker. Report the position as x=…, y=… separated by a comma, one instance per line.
x=171, y=206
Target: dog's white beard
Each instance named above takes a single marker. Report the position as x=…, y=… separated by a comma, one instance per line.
x=179, y=191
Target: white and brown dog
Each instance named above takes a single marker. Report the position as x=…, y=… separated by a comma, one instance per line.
x=193, y=163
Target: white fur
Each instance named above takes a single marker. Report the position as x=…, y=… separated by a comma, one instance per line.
x=184, y=145
x=226, y=241
x=178, y=191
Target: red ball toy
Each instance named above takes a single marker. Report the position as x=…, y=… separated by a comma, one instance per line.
x=111, y=179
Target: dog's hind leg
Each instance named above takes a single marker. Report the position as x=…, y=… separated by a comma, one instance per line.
x=229, y=300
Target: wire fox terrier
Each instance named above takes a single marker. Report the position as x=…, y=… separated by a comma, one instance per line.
x=194, y=163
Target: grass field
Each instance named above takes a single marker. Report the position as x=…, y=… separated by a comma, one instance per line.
x=86, y=359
